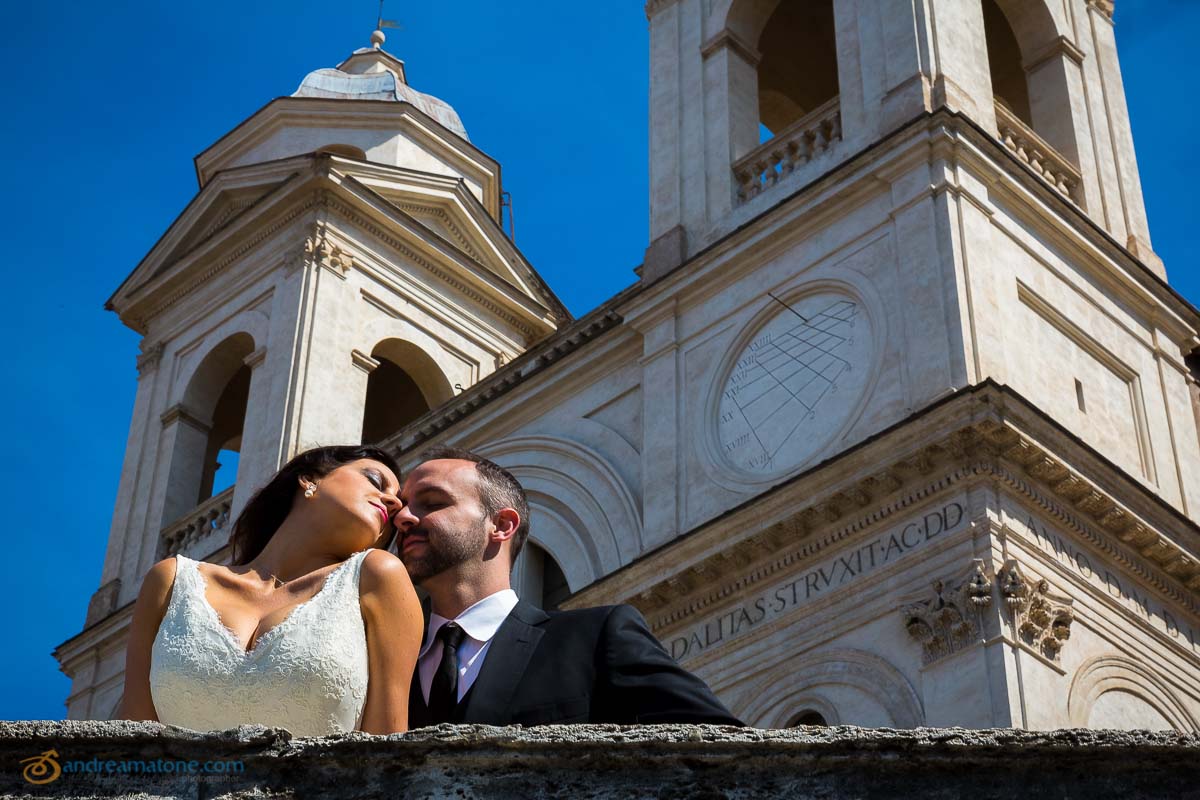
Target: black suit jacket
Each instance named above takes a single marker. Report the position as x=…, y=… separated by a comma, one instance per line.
x=590, y=665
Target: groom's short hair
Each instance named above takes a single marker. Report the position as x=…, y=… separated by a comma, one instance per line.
x=497, y=488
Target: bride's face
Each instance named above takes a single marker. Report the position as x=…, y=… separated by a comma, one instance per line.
x=356, y=501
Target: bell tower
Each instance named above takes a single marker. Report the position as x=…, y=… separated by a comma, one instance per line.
x=340, y=272
x=751, y=100
x=900, y=298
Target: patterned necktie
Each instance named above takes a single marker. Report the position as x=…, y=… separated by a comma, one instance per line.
x=443, y=692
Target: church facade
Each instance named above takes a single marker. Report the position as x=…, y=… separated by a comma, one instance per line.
x=899, y=425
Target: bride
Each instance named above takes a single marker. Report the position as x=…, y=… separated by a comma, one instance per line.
x=314, y=627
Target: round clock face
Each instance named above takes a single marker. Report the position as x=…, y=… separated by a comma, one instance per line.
x=795, y=384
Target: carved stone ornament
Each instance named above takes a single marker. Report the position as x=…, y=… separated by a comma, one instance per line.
x=104, y=601
x=1042, y=620
x=950, y=620
x=320, y=251
x=1105, y=7
x=147, y=360
x=326, y=254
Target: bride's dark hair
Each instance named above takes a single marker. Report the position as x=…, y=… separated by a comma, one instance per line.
x=271, y=504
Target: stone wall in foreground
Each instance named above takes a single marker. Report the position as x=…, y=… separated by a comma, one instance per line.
x=94, y=759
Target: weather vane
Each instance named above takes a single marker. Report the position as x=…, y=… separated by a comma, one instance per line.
x=377, y=38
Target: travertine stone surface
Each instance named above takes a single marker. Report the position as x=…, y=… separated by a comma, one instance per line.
x=608, y=761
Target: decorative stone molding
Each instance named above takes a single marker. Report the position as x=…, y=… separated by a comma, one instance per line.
x=655, y=6
x=320, y=251
x=1036, y=153
x=408, y=252
x=103, y=602
x=979, y=441
x=233, y=256
x=148, y=360
x=950, y=620
x=1104, y=7
x=790, y=149
x=559, y=345
x=210, y=516
x=729, y=39
x=1059, y=46
x=257, y=357
x=364, y=361
x=180, y=413
x=1042, y=620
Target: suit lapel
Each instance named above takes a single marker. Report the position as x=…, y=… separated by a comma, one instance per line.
x=504, y=665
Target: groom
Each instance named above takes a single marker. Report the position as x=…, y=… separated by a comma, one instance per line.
x=489, y=657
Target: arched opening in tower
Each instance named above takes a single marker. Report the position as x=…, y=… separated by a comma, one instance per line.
x=393, y=400
x=1009, y=83
x=225, y=438
x=798, y=72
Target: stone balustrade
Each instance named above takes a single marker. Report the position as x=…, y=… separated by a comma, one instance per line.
x=192, y=528
x=794, y=146
x=148, y=760
x=1036, y=152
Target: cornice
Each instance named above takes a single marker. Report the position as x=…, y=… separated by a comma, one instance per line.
x=978, y=439
x=371, y=227
x=730, y=40
x=653, y=7
x=537, y=359
x=1104, y=7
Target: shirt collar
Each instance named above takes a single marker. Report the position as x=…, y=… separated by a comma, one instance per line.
x=480, y=621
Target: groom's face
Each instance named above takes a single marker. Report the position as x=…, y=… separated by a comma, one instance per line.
x=442, y=524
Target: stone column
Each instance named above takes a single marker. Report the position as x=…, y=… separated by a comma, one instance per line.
x=731, y=115
x=131, y=491
x=255, y=465
x=961, y=81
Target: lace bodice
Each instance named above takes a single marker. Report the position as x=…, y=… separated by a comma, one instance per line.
x=307, y=674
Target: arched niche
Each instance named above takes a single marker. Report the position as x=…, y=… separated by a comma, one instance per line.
x=405, y=383
x=1118, y=691
x=210, y=418
x=801, y=684
x=581, y=512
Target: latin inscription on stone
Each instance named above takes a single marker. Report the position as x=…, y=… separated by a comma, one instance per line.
x=1114, y=582
x=794, y=384
x=829, y=575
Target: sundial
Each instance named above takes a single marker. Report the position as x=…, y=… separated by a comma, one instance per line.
x=795, y=384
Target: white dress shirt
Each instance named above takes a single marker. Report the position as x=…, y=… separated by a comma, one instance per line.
x=480, y=623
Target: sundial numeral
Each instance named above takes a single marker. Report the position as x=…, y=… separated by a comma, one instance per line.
x=736, y=443
x=727, y=416
x=761, y=460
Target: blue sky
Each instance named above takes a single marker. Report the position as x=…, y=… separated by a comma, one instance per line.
x=108, y=103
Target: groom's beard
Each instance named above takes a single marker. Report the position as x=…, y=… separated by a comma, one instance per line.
x=442, y=551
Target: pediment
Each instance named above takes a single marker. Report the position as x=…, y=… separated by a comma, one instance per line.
x=458, y=218
x=290, y=126
x=433, y=218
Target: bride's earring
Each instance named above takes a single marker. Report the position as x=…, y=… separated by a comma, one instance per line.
x=310, y=490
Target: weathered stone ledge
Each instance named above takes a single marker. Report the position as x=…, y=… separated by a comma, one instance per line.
x=607, y=761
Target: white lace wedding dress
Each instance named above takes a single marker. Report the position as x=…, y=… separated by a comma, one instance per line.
x=307, y=674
